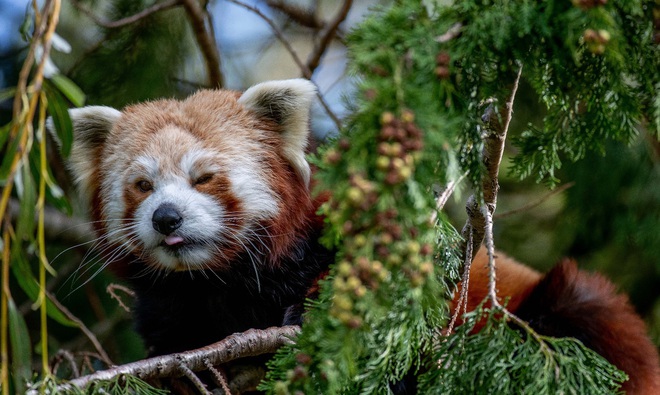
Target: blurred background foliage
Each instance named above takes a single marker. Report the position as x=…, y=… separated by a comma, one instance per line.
x=608, y=220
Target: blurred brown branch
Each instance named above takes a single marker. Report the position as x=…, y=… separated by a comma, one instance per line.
x=535, y=203
x=59, y=227
x=249, y=343
x=128, y=20
x=306, y=72
x=327, y=35
x=303, y=17
x=206, y=40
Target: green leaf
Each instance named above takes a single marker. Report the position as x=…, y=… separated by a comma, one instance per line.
x=21, y=351
x=29, y=284
x=7, y=93
x=8, y=155
x=59, y=111
x=27, y=196
x=4, y=134
x=69, y=89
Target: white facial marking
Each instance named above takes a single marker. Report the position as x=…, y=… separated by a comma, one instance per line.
x=249, y=186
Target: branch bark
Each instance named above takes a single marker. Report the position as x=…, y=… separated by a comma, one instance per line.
x=246, y=344
x=494, y=139
x=206, y=41
x=327, y=35
x=306, y=72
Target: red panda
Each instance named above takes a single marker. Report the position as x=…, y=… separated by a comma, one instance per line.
x=204, y=207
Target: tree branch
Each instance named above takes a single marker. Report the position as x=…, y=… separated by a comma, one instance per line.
x=306, y=72
x=81, y=325
x=535, y=203
x=494, y=139
x=301, y=16
x=206, y=41
x=128, y=20
x=249, y=343
x=327, y=35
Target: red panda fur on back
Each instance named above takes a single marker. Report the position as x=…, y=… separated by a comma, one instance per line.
x=567, y=302
x=204, y=207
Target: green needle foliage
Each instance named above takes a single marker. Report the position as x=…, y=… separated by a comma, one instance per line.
x=424, y=76
x=503, y=358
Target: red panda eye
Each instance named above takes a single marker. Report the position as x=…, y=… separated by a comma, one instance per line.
x=144, y=186
x=203, y=179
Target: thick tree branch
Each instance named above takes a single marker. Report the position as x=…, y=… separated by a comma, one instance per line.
x=494, y=139
x=205, y=40
x=129, y=19
x=249, y=343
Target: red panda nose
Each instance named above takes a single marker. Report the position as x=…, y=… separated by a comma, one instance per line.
x=166, y=219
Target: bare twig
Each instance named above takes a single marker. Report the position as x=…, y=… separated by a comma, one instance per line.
x=64, y=355
x=205, y=40
x=129, y=19
x=306, y=72
x=218, y=376
x=303, y=17
x=111, y=290
x=81, y=325
x=493, y=149
x=327, y=35
x=535, y=203
x=193, y=378
x=461, y=304
x=249, y=343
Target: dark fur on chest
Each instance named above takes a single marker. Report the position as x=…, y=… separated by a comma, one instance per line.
x=182, y=311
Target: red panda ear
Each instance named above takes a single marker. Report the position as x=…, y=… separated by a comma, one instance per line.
x=91, y=126
x=287, y=103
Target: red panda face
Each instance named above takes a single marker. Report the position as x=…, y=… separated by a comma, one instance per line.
x=186, y=185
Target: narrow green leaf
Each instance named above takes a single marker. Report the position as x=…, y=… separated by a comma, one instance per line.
x=21, y=351
x=27, y=197
x=59, y=112
x=7, y=93
x=29, y=284
x=8, y=156
x=69, y=89
x=4, y=134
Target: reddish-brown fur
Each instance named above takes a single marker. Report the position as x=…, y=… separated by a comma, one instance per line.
x=570, y=302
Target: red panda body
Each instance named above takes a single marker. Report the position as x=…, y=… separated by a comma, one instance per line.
x=203, y=205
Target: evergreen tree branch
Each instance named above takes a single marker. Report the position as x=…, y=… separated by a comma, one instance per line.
x=205, y=40
x=494, y=139
x=129, y=19
x=249, y=343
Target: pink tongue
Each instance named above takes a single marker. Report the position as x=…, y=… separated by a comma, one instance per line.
x=172, y=240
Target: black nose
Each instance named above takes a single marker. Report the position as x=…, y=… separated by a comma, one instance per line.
x=166, y=219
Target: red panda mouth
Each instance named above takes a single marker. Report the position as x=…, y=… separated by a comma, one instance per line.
x=175, y=243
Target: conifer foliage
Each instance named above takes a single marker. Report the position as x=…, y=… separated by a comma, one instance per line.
x=425, y=75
